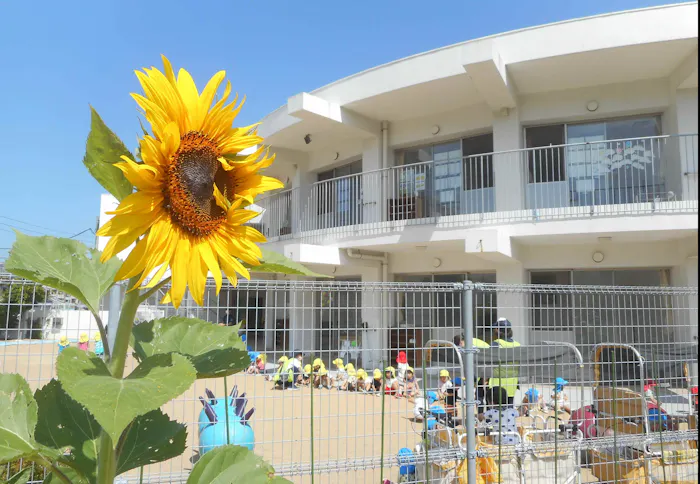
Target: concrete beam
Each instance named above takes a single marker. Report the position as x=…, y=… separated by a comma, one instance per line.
x=491, y=244
x=490, y=77
x=307, y=106
x=685, y=75
x=313, y=254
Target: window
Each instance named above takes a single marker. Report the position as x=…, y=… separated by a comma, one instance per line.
x=478, y=163
x=336, y=196
x=545, y=164
x=551, y=310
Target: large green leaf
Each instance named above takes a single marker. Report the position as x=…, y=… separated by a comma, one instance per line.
x=103, y=149
x=64, y=264
x=22, y=477
x=18, y=416
x=214, y=350
x=231, y=464
x=279, y=264
x=116, y=402
x=64, y=423
x=151, y=438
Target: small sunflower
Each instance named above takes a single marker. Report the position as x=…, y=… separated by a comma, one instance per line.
x=192, y=188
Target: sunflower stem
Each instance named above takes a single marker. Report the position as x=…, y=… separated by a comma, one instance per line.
x=107, y=459
x=154, y=289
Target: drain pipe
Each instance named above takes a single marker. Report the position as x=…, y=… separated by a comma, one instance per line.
x=384, y=164
x=383, y=259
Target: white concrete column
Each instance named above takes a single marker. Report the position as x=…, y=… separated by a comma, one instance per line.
x=371, y=200
x=685, y=319
x=509, y=169
x=687, y=111
x=302, y=318
x=511, y=304
x=304, y=211
x=374, y=336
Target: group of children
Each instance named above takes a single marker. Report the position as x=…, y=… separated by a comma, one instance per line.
x=83, y=343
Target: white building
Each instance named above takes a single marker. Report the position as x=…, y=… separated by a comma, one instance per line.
x=565, y=153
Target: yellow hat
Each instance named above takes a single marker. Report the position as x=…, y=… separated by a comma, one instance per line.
x=338, y=362
x=84, y=338
x=317, y=362
x=349, y=367
x=263, y=357
x=444, y=373
x=392, y=370
x=283, y=359
x=410, y=368
x=63, y=341
x=361, y=374
x=377, y=374
x=97, y=337
x=307, y=369
x=322, y=371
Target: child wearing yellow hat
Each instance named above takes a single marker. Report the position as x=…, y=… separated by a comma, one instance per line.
x=410, y=389
x=320, y=374
x=391, y=383
x=362, y=379
x=280, y=364
x=63, y=343
x=83, y=341
x=305, y=378
x=351, y=383
x=341, y=376
x=258, y=365
x=375, y=384
x=99, y=346
x=445, y=383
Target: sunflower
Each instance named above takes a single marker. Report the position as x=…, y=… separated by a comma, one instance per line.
x=192, y=186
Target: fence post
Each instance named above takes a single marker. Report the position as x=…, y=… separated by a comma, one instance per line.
x=115, y=304
x=469, y=399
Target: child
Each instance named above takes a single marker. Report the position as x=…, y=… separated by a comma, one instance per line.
x=280, y=364
x=391, y=384
x=99, y=347
x=341, y=376
x=650, y=392
x=500, y=416
x=63, y=343
x=320, y=374
x=362, y=380
x=258, y=366
x=83, y=342
x=402, y=363
x=376, y=383
x=305, y=377
x=410, y=384
x=445, y=384
x=351, y=383
x=559, y=396
x=531, y=401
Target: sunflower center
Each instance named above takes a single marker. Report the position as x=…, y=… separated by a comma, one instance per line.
x=190, y=189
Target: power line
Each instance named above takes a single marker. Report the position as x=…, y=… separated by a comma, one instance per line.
x=24, y=229
x=33, y=225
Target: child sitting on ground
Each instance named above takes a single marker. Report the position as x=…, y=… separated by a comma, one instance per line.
x=501, y=417
x=305, y=377
x=375, y=384
x=320, y=374
x=280, y=364
x=531, y=401
x=391, y=383
x=559, y=397
x=258, y=366
x=445, y=384
x=410, y=384
x=362, y=379
x=341, y=376
x=351, y=383
x=402, y=364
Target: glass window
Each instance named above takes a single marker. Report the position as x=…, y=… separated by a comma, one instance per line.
x=546, y=163
x=551, y=309
x=478, y=163
x=337, y=196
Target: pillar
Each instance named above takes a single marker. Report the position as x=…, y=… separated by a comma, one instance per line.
x=509, y=168
x=513, y=304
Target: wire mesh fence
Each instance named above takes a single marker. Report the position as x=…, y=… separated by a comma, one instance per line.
x=421, y=382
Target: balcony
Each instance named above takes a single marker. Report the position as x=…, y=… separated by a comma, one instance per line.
x=636, y=176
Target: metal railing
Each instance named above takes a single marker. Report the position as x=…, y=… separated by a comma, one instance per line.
x=352, y=436
x=657, y=174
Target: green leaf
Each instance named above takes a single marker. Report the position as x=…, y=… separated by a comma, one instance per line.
x=103, y=149
x=279, y=264
x=70, y=473
x=18, y=417
x=231, y=464
x=214, y=350
x=22, y=477
x=64, y=423
x=116, y=402
x=64, y=264
x=151, y=438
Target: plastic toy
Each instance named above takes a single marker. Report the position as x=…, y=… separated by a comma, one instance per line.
x=83, y=342
x=99, y=347
x=407, y=469
x=63, y=343
x=212, y=422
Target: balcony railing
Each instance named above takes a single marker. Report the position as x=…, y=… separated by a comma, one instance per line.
x=620, y=177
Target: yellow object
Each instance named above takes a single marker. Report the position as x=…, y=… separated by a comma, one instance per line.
x=318, y=362
x=392, y=370
x=377, y=374
x=409, y=368
x=84, y=338
x=97, y=337
x=283, y=359
x=63, y=341
x=361, y=374
x=338, y=362
x=307, y=369
x=188, y=211
x=263, y=357
x=477, y=343
x=507, y=376
x=444, y=373
x=350, y=368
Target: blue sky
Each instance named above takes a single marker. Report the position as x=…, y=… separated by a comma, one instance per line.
x=59, y=57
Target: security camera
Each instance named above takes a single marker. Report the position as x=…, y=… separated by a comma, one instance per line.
x=307, y=139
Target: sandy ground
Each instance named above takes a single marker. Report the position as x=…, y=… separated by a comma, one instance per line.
x=347, y=426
